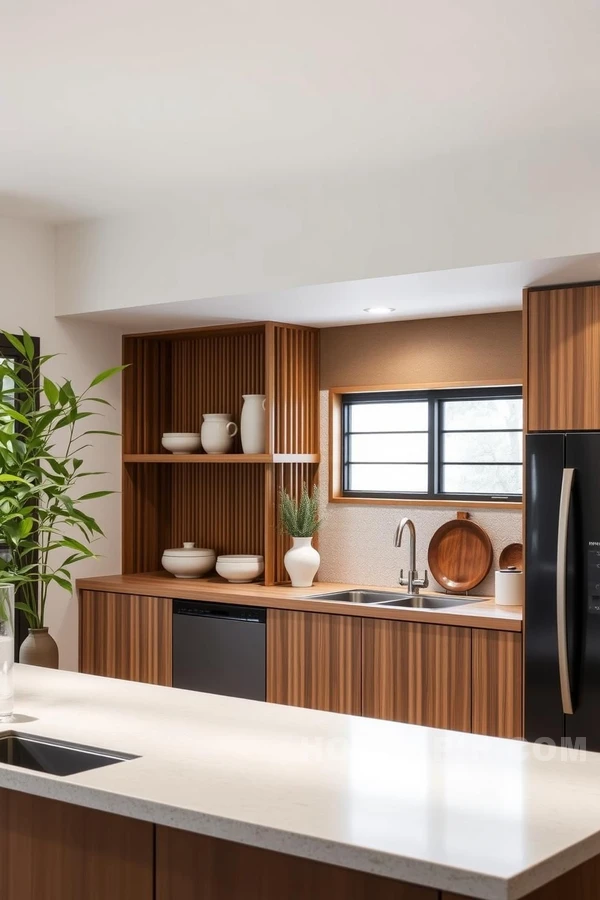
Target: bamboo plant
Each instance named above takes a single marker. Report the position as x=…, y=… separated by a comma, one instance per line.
x=300, y=518
x=43, y=432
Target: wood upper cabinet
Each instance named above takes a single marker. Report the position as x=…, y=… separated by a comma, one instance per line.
x=563, y=358
x=314, y=660
x=497, y=683
x=125, y=636
x=53, y=850
x=417, y=673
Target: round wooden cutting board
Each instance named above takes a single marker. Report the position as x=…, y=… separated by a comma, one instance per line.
x=460, y=554
x=512, y=555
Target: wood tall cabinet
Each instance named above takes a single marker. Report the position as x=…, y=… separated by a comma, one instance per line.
x=227, y=502
x=415, y=673
x=562, y=358
x=314, y=661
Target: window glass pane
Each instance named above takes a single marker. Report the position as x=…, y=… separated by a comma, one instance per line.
x=482, y=479
x=482, y=414
x=407, y=479
x=388, y=448
x=407, y=416
x=483, y=446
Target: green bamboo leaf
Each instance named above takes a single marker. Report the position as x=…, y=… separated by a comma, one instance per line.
x=25, y=527
x=51, y=391
x=94, y=495
x=29, y=346
x=72, y=544
x=6, y=478
x=13, y=414
x=14, y=340
x=108, y=373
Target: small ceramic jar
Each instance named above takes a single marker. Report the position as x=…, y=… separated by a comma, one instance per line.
x=218, y=432
x=189, y=561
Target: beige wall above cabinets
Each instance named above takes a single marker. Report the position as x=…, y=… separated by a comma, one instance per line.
x=472, y=349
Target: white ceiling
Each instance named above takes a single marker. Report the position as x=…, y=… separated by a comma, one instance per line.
x=454, y=292
x=114, y=105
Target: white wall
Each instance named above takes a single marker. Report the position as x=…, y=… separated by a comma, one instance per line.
x=27, y=299
x=357, y=542
x=509, y=203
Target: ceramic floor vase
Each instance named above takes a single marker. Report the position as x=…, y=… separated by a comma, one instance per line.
x=252, y=423
x=302, y=562
x=39, y=649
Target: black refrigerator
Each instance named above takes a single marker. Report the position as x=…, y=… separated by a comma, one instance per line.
x=562, y=571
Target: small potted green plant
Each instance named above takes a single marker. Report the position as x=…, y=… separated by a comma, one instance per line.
x=300, y=519
x=45, y=525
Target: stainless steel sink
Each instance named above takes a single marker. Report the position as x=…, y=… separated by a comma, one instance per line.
x=53, y=757
x=430, y=601
x=361, y=596
x=394, y=599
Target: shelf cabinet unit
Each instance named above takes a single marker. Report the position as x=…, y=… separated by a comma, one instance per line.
x=229, y=501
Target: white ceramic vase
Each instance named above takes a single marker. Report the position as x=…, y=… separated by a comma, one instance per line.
x=218, y=432
x=252, y=423
x=302, y=562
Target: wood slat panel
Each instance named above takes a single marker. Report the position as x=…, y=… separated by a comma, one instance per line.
x=497, y=659
x=291, y=477
x=190, y=867
x=146, y=490
x=563, y=335
x=417, y=673
x=126, y=636
x=53, y=850
x=314, y=661
x=296, y=390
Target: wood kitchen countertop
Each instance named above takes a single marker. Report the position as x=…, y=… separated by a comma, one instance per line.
x=484, y=614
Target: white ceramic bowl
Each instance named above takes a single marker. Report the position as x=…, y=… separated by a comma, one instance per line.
x=189, y=561
x=181, y=441
x=240, y=569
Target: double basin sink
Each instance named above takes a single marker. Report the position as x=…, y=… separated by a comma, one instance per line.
x=397, y=600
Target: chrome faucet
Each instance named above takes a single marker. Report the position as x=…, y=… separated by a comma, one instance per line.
x=412, y=581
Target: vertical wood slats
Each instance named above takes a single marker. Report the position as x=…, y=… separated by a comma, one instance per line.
x=125, y=636
x=415, y=673
x=314, y=661
x=291, y=477
x=174, y=378
x=563, y=348
x=497, y=683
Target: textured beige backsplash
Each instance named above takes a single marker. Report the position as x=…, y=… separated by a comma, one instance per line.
x=357, y=542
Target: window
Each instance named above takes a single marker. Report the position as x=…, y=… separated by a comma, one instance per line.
x=439, y=445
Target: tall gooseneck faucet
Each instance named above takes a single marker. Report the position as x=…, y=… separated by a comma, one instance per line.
x=412, y=581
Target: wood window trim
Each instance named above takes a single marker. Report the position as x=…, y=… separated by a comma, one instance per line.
x=335, y=447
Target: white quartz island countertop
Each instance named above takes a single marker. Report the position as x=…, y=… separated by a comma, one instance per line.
x=478, y=816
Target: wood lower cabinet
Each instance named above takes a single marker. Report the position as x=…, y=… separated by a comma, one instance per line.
x=417, y=673
x=497, y=683
x=51, y=850
x=314, y=660
x=125, y=636
x=192, y=866
x=563, y=358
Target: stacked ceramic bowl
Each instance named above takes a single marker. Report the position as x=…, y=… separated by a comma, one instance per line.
x=181, y=441
x=240, y=569
x=189, y=561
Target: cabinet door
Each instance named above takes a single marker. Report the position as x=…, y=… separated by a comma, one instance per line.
x=125, y=636
x=497, y=683
x=563, y=359
x=417, y=673
x=314, y=660
x=198, y=867
x=53, y=850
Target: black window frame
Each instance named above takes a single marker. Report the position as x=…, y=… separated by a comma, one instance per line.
x=434, y=398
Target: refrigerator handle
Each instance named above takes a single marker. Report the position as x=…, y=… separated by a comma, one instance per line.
x=561, y=590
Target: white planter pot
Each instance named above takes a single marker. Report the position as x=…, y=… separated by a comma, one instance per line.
x=302, y=562
x=252, y=423
x=218, y=432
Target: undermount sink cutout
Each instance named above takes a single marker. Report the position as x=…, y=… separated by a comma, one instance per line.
x=424, y=601
x=360, y=596
x=54, y=757
x=393, y=599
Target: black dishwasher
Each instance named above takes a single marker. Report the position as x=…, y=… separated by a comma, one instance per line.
x=219, y=649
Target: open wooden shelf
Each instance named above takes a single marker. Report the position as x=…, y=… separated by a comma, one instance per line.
x=221, y=458
x=225, y=501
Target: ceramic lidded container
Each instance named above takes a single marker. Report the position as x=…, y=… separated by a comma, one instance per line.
x=189, y=561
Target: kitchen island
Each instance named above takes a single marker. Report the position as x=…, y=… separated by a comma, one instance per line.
x=222, y=787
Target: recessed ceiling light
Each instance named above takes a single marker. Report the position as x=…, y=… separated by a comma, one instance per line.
x=380, y=310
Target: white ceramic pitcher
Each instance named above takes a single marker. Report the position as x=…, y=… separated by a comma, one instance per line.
x=218, y=432
x=252, y=423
